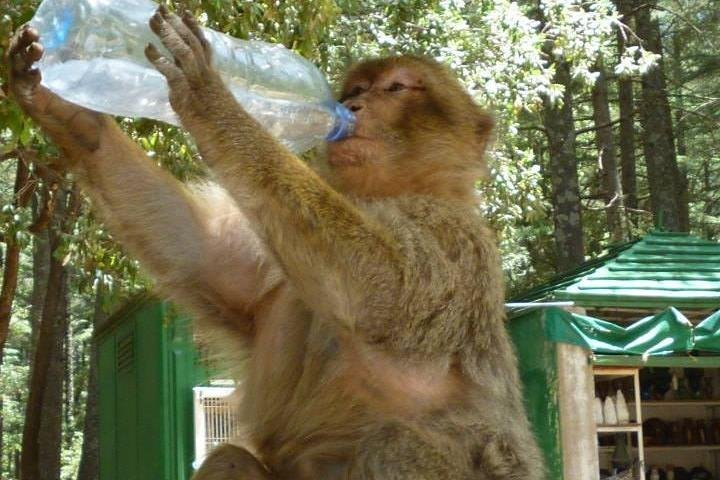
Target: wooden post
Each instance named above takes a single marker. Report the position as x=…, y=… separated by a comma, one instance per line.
x=576, y=394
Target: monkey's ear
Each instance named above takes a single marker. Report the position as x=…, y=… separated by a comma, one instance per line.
x=484, y=126
x=485, y=123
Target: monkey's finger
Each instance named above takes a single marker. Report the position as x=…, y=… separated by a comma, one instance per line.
x=195, y=28
x=23, y=37
x=175, y=44
x=188, y=37
x=24, y=50
x=167, y=68
x=22, y=63
x=34, y=53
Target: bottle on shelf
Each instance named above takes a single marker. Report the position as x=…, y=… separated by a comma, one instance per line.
x=670, y=472
x=598, y=411
x=94, y=57
x=609, y=412
x=683, y=392
x=672, y=393
x=621, y=460
x=621, y=408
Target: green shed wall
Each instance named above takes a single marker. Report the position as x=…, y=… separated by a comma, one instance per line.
x=147, y=369
x=537, y=361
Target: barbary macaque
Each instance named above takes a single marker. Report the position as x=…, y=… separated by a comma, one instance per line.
x=368, y=294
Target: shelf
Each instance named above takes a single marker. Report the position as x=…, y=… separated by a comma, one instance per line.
x=678, y=403
x=632, y=427
x=640, y=362
x=667, y=448
x=614, y=372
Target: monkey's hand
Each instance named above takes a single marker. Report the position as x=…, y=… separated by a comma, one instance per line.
x=73, y=128
x=195, y=86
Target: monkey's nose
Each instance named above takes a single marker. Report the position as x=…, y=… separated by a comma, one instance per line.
x=353, y=106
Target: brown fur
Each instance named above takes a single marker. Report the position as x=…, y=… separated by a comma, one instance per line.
x=369, y=300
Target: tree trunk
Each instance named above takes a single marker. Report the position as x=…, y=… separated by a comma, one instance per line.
x=2, y=436
x=41, y=269
x=680, y=132
x=69, y=383
x=50, y=436
x=560, y=129
x=89, y=461
x=46, y=342
x=12, y=258
x=658, y=142
x=11, y=268
x=612, y=191
x=708, y=227
x=627, y=119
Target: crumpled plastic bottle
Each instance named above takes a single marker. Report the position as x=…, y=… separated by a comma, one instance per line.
x=621, y=408
x=598, y=411
x=609, y=412
x=94, y=57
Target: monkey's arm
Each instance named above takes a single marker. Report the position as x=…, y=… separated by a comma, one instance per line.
x=342, y=263
x=393, y=280
x=200, y=248
x=197, y=244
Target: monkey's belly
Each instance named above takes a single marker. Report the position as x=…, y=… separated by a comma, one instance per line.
x=304, y=419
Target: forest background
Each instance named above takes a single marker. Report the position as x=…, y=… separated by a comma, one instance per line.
x=607, y=117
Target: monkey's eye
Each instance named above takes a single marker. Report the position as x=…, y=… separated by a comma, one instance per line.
x=396, y=87
x=354, y=91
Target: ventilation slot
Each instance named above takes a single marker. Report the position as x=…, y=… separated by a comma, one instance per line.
x=125, y=353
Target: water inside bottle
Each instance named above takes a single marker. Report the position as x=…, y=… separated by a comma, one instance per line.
x=94, y=56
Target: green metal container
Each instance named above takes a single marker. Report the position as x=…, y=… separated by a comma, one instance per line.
x=537, y=363
x=147, y=369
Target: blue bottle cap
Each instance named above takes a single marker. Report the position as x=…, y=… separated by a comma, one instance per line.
x=57, y=29
x=344, y=122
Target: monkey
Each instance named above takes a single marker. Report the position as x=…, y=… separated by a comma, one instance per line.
x=230, y=463
x=366, y=293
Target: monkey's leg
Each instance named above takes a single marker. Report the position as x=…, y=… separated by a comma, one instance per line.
x=228, y=462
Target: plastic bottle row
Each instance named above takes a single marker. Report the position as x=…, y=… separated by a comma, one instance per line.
x=612, y=411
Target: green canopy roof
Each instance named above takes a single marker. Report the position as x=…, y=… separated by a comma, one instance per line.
x=661, y=269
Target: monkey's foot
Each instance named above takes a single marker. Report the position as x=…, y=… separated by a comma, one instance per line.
x=228, y=462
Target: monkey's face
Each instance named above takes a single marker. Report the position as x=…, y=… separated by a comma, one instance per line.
x=380, y=102
x=414, y=122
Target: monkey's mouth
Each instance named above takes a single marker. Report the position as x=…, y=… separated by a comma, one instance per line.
x=348, y=152
x=339, y=160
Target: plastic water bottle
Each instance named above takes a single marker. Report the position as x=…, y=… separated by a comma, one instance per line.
x=94, y=57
